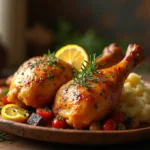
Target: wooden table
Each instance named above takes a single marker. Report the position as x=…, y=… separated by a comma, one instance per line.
x=19, y=143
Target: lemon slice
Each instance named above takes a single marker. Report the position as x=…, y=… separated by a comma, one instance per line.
x=73, y=54
x=14, y=113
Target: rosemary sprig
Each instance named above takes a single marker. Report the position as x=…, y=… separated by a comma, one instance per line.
x=3, y=136
x=81, y=77
x=51, y=58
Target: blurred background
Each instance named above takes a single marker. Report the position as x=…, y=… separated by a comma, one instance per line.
x=30, y=27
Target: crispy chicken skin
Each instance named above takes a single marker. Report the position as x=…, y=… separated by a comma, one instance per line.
x=36, y=81
x=112, y=54
x=81, y=106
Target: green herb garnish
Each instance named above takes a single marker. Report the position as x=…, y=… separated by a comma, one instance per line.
x=50, y=76
x=81, y=78
x=59, y=117
x=4, y=91
x=3, y=136
x=51, y=58
x=48, y=109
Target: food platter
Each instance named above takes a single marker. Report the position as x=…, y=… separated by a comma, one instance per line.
x=72, y=136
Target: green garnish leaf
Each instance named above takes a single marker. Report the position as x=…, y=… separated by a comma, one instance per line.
x=51, y=58
x=81, y=77
x=48, y=109
x=4, y=91
x=3, y=136
x=59, y=117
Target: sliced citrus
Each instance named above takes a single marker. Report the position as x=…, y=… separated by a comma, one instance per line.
x=14, y=113
x=74, y=55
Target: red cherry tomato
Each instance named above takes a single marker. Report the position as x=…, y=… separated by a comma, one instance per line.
x=45, y=112
x=119, y=117
x=5, y=100
x=59, y=122
x=132, y=123
x=110, y=124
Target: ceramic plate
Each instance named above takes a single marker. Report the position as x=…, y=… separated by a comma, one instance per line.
x=72, y=136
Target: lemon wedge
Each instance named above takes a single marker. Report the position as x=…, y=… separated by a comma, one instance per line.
x=14, y=113
x=73, y=54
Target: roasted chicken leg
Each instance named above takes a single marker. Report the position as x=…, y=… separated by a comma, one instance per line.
x=86, y=99
x=37, y=80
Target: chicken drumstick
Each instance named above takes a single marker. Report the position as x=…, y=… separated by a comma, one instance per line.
x=93, y=94
x=37, y=80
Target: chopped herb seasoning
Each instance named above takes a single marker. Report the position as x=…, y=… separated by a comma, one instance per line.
x=48, y=109
x=50, y=76
x=59, y=117
x=24, y=115
x=31, y=66
x=3, y=136
x=14, y=110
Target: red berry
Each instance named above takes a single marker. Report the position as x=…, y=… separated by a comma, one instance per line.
x=45, y=112
x=110, y=124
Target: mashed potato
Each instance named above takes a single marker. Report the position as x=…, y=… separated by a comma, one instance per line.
x=135, y=98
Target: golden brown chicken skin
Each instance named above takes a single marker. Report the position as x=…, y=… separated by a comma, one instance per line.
x=112, y=54
x=81, y=106
x=36, y=81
